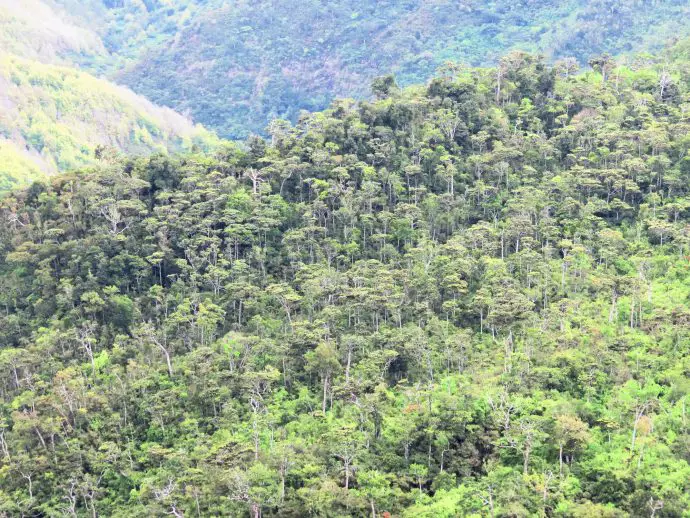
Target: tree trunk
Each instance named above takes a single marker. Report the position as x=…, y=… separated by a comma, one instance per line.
x=167, y=361
x=349, y=363
x=632, y=312
x=525, y=456
x=612, y=311
x=325, y=394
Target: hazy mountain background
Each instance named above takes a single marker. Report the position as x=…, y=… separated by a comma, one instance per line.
x=54, y=115
x=235, y=65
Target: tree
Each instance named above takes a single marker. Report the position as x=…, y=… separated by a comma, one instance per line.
x=419, y=472
x=602, y=64
x=324, y=361
x=571, y=434
x=383, y=86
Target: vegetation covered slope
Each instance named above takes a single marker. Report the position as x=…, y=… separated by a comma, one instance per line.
x=52, y=118
x=236, y=65
x=469, y=298
x=44, y=31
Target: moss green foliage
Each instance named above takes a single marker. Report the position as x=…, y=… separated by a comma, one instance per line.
x=54, y=118
x=463, y=299
x=16, y=169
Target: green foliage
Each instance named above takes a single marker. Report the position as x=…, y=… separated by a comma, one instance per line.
x=58, y=119
x=15, y=168
x=237, y=66
x=463, y=299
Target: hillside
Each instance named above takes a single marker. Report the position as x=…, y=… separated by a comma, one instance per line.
x=44, y=31
x=468, y=298
x=234, y=66
x=53, y=117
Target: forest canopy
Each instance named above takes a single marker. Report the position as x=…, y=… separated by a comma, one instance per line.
x=467, y=298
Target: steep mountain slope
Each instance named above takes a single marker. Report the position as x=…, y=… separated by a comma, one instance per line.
x=44, y=31
x=468, y=298
x=52, y=118
x=235, y=65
